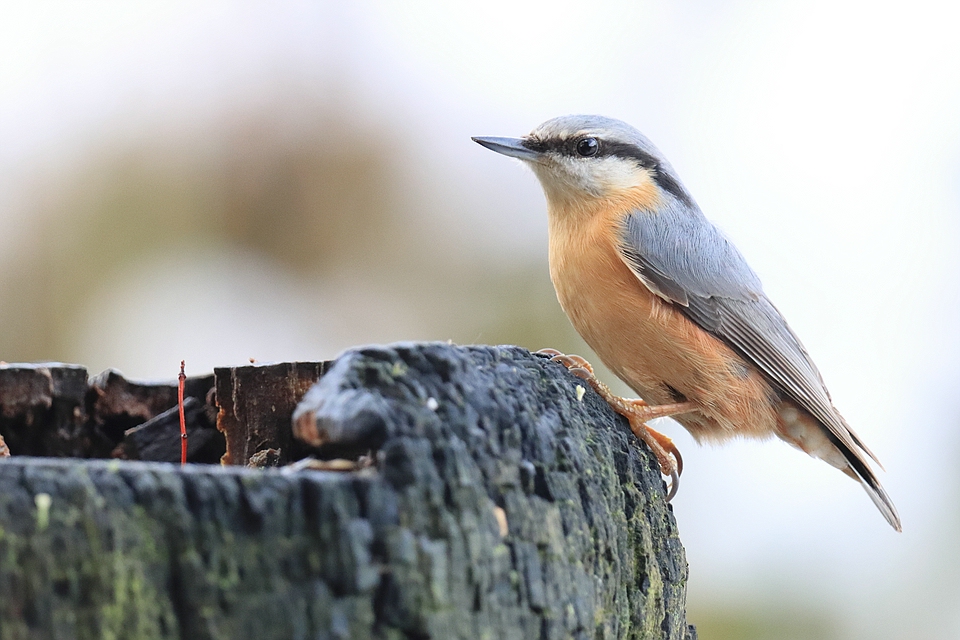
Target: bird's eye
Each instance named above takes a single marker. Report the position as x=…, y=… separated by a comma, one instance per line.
x=588, y=147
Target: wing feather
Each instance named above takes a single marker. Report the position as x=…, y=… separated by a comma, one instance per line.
x=697, y=268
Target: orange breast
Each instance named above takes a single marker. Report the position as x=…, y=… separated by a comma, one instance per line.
x=646, y=341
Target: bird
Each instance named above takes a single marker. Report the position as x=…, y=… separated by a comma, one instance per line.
x=670, y=305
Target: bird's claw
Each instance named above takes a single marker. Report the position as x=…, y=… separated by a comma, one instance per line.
x=674, y=484
x=637, y=413
x=580, y=372
x=548, y=352
x=570, y=361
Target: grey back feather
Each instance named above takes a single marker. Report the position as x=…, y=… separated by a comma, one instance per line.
x=680, y=245
x=683, y=257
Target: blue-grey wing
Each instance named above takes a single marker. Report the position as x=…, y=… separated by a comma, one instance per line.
x=680, y=256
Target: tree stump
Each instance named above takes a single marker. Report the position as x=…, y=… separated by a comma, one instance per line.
x=506, y=500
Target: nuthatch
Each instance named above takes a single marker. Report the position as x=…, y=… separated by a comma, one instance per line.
x=670, y=305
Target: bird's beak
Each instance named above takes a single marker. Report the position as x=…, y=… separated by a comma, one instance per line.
x=512, y=147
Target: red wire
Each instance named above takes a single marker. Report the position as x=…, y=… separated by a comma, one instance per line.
x=183, y=420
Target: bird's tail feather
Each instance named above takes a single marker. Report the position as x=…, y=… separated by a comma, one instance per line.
x=862, y=472
x=882, y=500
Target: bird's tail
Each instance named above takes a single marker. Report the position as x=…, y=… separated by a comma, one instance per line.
x=859, y=470
x=802, y=430
x=883, y=501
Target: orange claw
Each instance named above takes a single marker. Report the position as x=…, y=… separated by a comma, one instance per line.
x=637, y=412
x=668, y=445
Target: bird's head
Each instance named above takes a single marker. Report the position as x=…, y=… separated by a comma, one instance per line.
x=582, y=161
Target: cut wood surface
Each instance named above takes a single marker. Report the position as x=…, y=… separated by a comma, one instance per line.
x=504, y=501
x=256, y=402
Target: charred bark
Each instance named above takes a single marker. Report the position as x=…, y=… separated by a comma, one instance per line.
x=506, y=501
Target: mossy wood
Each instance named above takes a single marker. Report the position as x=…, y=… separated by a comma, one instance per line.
x=505, y=502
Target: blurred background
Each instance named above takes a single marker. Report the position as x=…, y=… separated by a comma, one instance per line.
x=223, y=181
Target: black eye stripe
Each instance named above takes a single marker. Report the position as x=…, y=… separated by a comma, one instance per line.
x=629, y=152
x=537, y=145
x=568, y=147
x=608, y=148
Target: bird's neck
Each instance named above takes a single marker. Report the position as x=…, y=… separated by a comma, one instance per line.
x=580, y=224
x=575, y=207
x=580, y=228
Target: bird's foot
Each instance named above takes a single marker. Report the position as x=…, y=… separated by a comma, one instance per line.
x=637, y=412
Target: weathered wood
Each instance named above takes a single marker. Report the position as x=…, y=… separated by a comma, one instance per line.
x=158, y=439
x=592, y=549
x=504, y=503
x=116, y=404
x=256, y=403
x=42, y=409
x=51, y=409
x=265, y=458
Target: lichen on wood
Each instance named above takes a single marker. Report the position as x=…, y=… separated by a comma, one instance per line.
x=502, y=504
